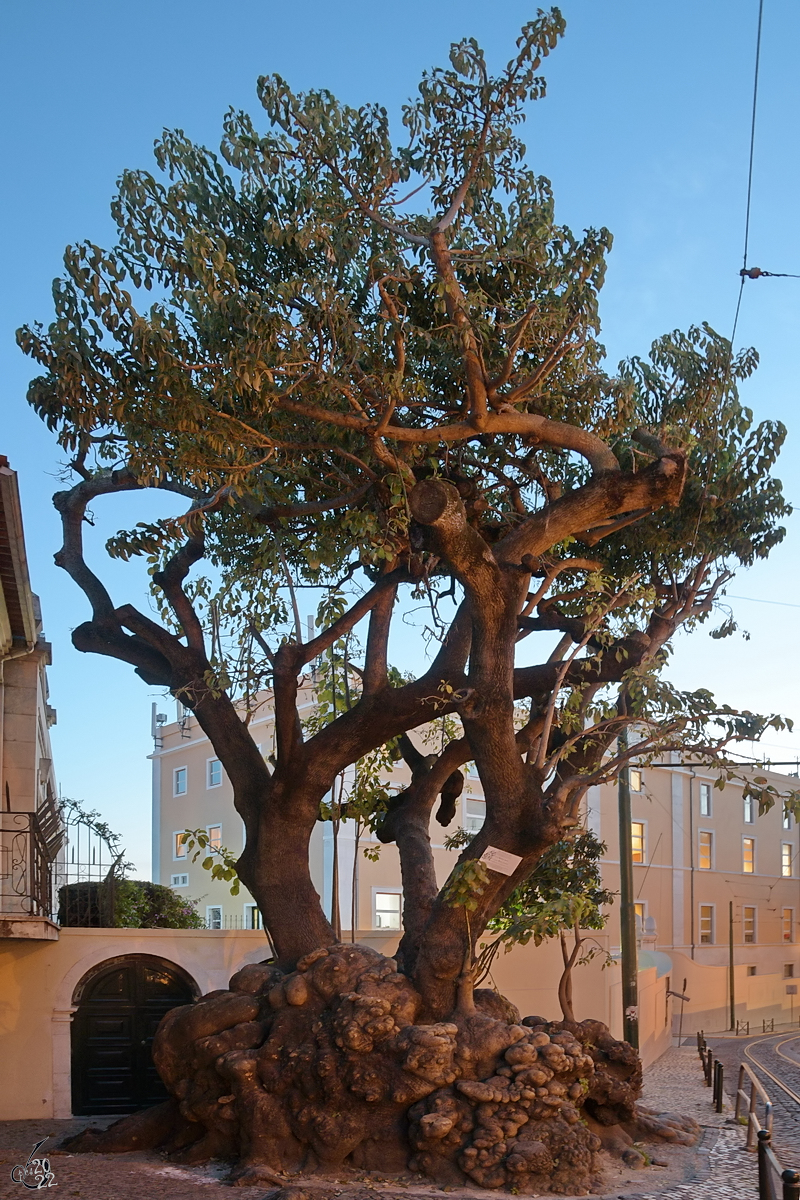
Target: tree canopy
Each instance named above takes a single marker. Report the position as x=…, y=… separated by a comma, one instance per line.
x=372, y=369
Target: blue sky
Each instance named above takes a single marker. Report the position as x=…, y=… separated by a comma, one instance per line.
x=645, y=129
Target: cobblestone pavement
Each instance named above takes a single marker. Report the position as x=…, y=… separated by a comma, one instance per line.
x=777, y=1055
x=720, y=1169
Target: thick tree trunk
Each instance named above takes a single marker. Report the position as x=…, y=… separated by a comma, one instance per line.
x=327, y=1068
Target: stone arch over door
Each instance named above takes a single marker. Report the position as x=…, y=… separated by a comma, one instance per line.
x=118, y=1006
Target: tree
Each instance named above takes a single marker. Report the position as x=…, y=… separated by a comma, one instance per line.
x=563, y=894
x=373, y=371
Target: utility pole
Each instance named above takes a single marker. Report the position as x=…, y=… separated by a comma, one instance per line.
x=627, y=913
x=730, y=963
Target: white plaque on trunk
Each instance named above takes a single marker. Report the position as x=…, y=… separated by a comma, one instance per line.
x=500, y=860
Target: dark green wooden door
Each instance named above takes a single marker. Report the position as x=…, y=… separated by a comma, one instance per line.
x=112, y=1033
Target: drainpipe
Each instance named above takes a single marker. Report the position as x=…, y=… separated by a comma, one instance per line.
x=691, y=860
x=628, y=947
x=730, y=963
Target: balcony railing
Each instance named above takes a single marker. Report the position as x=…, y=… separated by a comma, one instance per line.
x=25, y=868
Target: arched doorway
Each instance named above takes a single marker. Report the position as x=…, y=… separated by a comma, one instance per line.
x=120, y=1004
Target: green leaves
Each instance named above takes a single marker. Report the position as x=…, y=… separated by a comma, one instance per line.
x=564, y=890
x=221, y=863
x=468, y=880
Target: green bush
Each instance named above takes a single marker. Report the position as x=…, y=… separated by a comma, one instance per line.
x=144, y=905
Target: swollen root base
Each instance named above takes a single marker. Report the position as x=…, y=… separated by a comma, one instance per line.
x=326, y=1068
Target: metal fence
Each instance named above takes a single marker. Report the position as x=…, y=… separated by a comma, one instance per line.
x=25, y=866
x=230, y=921
x=86, y=876
x=750, y=1093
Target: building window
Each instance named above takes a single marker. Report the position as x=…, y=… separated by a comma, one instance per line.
x=180, y=880
x=787, y=819
x=214, y=916
x=749, y=925
x=178, y=845
x=788, y=970
x=751, y=970
x=474, y=814
x=749, y=810
x=705, y=799
x=635, y=776
x=748, y=855
x=637, y=841
x=214, y=837
x=639, y=909
x=706, y=849
x=786, y=859
x=179, y=777
x=252, y=917
x=787, y=924
x=706, y=924
x=214, y=772
x=388, y=908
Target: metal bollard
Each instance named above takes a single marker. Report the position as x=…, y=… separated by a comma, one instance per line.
x=764, y=1181
x=719, y=1092
x=791, y=1184
x=709, y=1068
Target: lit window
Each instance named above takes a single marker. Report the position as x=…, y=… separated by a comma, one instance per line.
x=706, y=849
x=786, y=859
x=637, y=841
x=639, y=910
x=749, y=925
x=787, y=923
x=178, y=845
x=214, y=916
x=705, y=799
x=214, y=772
x=252, y=917
x=749, y=810
x=787, y=819
x=179, y=781
x=180, y=880
x=474, y=814
x=636, y=779
x=788, y=970
x=388, y=906
x=748, y=855
x=214, y=837
x=706, y=924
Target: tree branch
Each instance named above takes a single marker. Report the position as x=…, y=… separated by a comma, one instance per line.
x=375, y=674
x=601, y=499
x=170, y=580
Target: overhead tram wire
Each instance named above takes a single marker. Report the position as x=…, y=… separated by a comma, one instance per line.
x=754, y=272
x=745, y=272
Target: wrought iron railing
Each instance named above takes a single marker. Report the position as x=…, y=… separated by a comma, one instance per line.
x=25, y=867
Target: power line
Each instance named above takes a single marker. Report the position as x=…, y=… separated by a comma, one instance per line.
x=754, y=272
x=752, y=135
x=754, y=600
x=744, y=274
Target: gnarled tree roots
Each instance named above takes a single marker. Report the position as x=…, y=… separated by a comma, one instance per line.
x=326, y=1068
